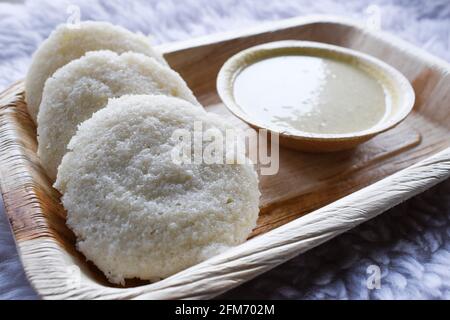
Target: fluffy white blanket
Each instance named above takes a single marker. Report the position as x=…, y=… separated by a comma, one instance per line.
x=411, y=243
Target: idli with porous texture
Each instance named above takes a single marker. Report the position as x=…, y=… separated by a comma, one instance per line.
x=84, y=86
x=135, y=212
x=68, y=42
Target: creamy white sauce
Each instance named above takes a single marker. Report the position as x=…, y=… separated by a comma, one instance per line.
x=311, y=94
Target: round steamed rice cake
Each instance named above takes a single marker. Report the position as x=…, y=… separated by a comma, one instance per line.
x=135, y=212
x=83, y=86
x=68, y=42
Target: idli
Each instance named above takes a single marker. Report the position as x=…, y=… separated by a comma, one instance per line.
x=136, y=213
x=68, y=42
x=83, y=86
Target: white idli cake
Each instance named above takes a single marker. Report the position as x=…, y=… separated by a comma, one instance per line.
x=69, y=42
x=135, y=212
x=83, y=86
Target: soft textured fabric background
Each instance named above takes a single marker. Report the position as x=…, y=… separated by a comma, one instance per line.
x=410, y=243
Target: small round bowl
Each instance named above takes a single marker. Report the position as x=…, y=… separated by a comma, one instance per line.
x=398, y=87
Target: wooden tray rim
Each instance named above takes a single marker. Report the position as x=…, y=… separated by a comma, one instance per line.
x=42, y=257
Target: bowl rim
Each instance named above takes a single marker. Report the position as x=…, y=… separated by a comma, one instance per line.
x=399, y=86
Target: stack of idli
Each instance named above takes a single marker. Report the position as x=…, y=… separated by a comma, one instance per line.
x=106, y=105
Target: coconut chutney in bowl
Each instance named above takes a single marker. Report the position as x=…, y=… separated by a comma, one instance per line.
x=317, y=97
